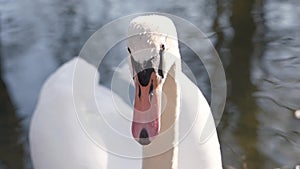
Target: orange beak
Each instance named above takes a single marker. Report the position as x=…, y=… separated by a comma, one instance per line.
x=147, y=107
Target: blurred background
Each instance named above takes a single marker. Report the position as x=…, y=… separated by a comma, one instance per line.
x=258, y=42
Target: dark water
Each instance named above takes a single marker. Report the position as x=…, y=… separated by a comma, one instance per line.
x=11, y=150
x=258, y=42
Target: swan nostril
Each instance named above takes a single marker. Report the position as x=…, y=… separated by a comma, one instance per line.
x=144, y=137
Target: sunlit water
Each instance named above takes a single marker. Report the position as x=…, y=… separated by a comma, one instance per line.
x=258, y=42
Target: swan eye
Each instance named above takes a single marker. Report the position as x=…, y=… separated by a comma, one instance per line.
x=129, y=50
x=162, y=47
x=160, y=73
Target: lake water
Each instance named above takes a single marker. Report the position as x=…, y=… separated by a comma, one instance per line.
x=258, y=42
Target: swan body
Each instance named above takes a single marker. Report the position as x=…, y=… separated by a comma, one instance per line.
x=58, y=139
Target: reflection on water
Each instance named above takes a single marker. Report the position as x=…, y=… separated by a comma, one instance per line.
x=276, y=75
x=264, y=83
x=257, y=40
x=11, y=150
x=241, y=105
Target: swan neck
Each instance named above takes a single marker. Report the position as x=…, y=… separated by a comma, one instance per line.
x=166, y=142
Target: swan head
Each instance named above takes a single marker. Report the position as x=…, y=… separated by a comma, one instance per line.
x=153, y=49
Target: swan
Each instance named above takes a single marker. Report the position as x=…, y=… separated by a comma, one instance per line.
x=171, y=123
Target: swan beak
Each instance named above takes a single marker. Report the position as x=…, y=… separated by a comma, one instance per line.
x=146, y=115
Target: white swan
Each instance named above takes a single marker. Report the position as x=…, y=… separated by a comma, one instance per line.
x=171, y=118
